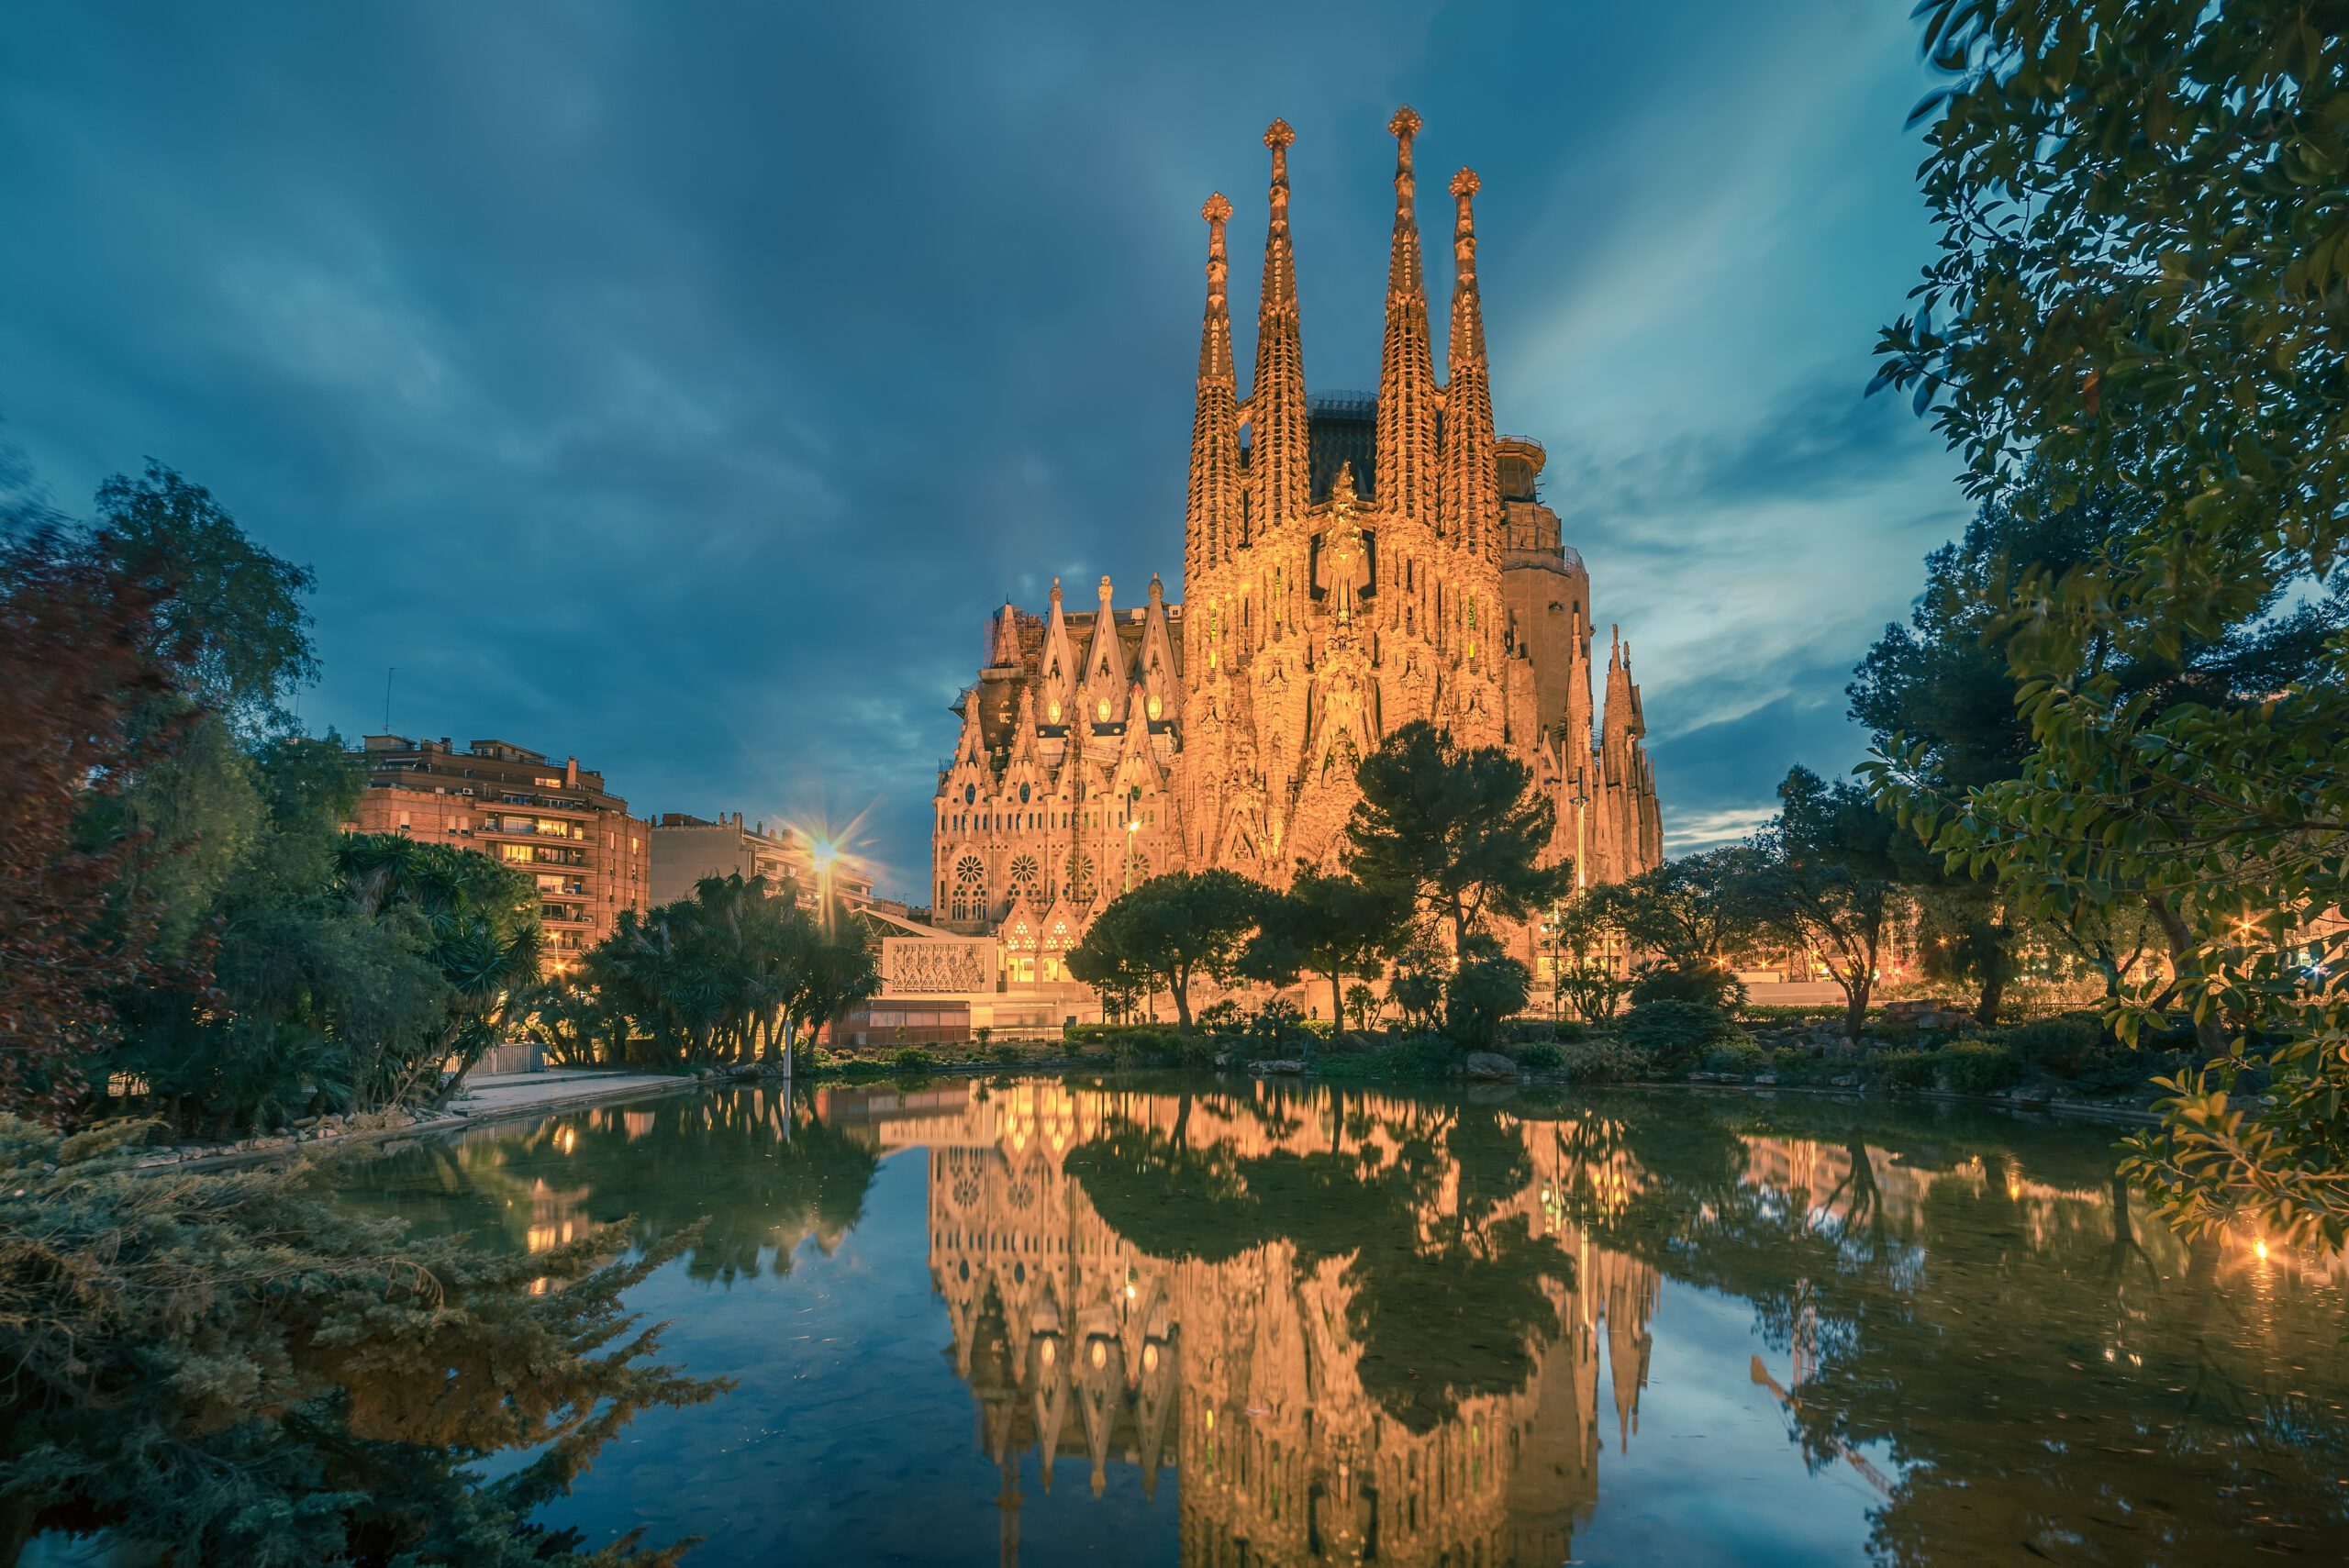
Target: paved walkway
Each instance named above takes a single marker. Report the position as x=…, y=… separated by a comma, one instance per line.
x=495, y=1094
x=487, y=1097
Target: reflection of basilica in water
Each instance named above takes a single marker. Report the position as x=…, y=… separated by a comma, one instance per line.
x=1243, y=1373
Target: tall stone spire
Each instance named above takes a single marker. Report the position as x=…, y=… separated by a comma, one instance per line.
x=1471, y=497
x=1212, y=519
x=1278, y=462
x=1404, y=476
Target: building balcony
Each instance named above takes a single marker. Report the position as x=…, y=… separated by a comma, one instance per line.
x=513, y=829
x=527, y=802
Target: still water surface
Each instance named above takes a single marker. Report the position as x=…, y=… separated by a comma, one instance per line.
x=1151, y=1321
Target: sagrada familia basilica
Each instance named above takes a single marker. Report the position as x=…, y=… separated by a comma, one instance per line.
x=1350, y=563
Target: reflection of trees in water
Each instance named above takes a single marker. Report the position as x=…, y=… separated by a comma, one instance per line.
x=1444, y=1301
x=2049, y=1375
x=753, y=1172
x=1347, y=1314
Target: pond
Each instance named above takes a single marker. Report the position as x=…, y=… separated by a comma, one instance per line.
x=1168, y=1321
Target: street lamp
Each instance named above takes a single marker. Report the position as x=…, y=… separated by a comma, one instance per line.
x=824, y=852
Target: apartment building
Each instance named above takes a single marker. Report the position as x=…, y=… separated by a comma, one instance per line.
x=554, y=821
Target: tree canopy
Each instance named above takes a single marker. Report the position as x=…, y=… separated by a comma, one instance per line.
x=1172, y=929
x=2140, y=291
x=1333, y=928
x=1457, y=829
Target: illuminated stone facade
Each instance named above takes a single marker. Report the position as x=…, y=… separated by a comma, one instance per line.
x=1355, y=563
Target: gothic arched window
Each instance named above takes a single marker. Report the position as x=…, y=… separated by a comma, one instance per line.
x=1023, y=877
x=1080, y=875
x=970, y=889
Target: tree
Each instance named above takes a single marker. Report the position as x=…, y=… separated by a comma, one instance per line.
x=1941, y=690
x=74, y=672
x=836, y=974
x=1417, y=986
x=1693, y=913
x=1172, y=929
x=1826, y=878
x=1335, y=928
x=1584, y=934
x=1489, y=987
x=230, y=617
x=2139, y=289
x=479, y=920
x=1460, y=832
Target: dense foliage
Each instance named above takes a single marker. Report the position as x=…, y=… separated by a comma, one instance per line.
x=191, y=935
x=1167, y=932
x=1457, y=829
x=735, y=972
x=2142, y=291
x=1332, y=927
x=229, y=1366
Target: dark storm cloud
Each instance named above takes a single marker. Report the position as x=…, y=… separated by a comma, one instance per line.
x=681, y=387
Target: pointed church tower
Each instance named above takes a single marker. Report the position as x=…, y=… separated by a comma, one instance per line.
x=1057, y=668
x=1471, y=504
x=1211, y=516
x=1102, y=698
x=1405, y=469
x=1279, y=467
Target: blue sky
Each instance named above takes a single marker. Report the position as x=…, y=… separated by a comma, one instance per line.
x=680, y=386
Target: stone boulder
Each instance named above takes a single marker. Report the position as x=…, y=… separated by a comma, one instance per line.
x=1488, y=1067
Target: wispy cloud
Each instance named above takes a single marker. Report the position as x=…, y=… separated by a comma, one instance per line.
x=681, y=390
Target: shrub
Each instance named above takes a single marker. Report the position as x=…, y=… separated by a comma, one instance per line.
x=1488, y=987
x=1542, y=1056
x=1673, y=982
x=1566, y=1031
x=2061, y=1046
x=1225, y=1016
x=1008, y=1053
x=1526, y=1031
x=1742, y=1057
x=914, y=1059
x=1979, y=1067
x=1673, y=1033
x=1905, y=1069
x=1197, y=1050
x=1604, y=1061
x=1277, y=1033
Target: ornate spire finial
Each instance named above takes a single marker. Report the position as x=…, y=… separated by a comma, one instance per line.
x=1211, y=521
x=1279, y=471
x=1471, y=502
x=1404, y=474
x=1056, y=590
